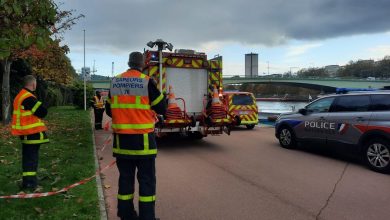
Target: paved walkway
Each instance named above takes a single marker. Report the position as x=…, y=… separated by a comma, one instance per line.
x=103, y=140
x=247, y=175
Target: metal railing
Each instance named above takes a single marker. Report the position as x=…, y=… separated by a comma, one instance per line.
x=273, y=77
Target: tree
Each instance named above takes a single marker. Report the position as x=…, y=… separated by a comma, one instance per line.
x=312, y=72
x=25, y=29
x=54, y=65
x=359, y=69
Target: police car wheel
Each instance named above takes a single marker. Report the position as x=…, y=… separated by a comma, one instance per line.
x=286, y=138
x=250, y=126
x=377, y=155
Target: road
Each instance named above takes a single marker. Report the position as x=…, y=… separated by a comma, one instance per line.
x=248, y=176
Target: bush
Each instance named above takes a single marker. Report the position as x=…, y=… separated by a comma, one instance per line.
x=53, y=94
x=54, y=97
x=78, y=94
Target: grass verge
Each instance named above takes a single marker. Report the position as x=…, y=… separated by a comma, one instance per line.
x=68, y=158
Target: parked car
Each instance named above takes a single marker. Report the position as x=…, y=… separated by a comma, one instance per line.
x=358, y=120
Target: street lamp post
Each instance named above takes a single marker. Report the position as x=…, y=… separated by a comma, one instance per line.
x=112, y=70
x=161, y=45
x=268, y=68
x=85, y=84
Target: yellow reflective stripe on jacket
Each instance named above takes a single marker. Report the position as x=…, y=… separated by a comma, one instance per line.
x=145, y=151
x=136, y=105
x=157, y=100
x=36, y=106
x=28, y=126
x=40, y=141
x=117, y=141
x=18, y=113
x=134, y=152
x=132, y=126
x=125, y=197
x=147, y=198
x=146, y=142
x=132, y=106
x=35, y=141
x=29, y=173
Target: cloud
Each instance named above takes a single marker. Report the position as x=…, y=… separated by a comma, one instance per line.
x=379, y=52
x=212, y=46
x=125, y=25
x=294, y=51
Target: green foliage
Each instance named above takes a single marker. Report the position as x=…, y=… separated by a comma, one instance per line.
x=54, y=65
x=312, y=72
x=24, y=24
x=54, y=97
x=54, y=94
x=277, y=91
x=68, y=158
x=26, y=28
x=367, y=68
x=78, y=93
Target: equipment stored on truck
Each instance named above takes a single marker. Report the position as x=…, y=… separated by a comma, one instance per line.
x=188, y=78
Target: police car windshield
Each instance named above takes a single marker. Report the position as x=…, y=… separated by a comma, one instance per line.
x=242, y=99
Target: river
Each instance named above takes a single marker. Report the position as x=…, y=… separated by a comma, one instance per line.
x=279, y=107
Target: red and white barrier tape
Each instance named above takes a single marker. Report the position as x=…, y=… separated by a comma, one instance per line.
x=107, y=125
x=106, y=142
x=37, y=195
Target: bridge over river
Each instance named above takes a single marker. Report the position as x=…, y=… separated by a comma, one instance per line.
x=324, y=84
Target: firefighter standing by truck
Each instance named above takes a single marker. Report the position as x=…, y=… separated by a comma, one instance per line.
x=133, y=103
x=98, y=110
x=27, y=124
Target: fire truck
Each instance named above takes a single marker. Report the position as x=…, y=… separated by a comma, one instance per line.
x=193, y=79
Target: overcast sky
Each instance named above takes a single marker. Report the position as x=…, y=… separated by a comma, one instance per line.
x=287, y=35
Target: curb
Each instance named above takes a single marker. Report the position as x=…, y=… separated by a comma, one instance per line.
x=102, y=202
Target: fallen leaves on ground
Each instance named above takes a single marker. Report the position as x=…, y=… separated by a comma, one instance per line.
x=58, y=178
x=38, y=209
x=80, y=200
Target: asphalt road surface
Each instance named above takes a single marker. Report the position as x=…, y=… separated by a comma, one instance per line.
x=248, y=176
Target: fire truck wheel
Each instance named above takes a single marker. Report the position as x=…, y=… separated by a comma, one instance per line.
x=208, y=121
x=193, y=121
x=250, y=127
x=238, y=120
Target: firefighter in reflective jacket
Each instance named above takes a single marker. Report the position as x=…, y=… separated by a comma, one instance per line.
x=133, y=103
x=98, y=110
x=27, y=124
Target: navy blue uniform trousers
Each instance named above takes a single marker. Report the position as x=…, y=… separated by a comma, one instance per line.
x=30, y=155
x=146, y=175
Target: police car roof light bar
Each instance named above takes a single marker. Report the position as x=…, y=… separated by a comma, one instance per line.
x=346, y=90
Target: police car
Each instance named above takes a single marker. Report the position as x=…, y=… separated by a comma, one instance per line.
x=360, y=120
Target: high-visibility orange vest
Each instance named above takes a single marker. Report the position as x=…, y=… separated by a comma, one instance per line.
x=130, y=105
x=99, y=102
x=24, y=122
